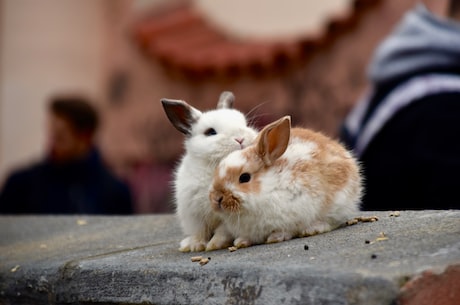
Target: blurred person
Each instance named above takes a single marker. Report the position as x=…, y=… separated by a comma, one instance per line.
x=72, y=178
x=406, y=130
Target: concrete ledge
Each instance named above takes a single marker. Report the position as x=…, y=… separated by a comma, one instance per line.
x=134, y=260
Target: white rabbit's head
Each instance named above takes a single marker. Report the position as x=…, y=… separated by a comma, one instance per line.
x=213, y=134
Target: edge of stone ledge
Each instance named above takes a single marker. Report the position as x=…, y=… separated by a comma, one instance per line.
x=222, y=285
x=87, y=280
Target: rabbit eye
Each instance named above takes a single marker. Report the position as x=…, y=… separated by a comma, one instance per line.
x=245, y=177
x=210, y=132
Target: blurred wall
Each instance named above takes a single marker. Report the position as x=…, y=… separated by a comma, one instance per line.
x=48, y=46
x=55, y=46
x=267, y=19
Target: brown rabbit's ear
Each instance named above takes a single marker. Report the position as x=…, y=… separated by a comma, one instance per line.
x=226, y=100
x=181, y=114
x=273, y=140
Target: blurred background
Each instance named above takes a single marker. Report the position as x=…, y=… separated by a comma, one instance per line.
x=305, y=58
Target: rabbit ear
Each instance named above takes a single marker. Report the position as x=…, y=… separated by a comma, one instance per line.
x=181, y=114
x=226, y=100
x=273, y=140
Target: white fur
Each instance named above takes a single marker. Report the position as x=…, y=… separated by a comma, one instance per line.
x=194, y=173
x=232, y=160
x=286, y=207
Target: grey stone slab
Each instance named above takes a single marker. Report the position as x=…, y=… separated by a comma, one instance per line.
x=134, y=260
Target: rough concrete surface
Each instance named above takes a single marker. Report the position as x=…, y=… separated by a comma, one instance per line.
x=134, y=260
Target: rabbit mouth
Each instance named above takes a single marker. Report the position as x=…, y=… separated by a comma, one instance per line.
x=216, y=203
x=239, y=146
x=240, y=142
x=230, y=204
x=225, y=202
x=243, y=145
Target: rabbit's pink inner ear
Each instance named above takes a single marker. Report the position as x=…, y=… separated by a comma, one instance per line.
x=181, y=114
x=274, y=140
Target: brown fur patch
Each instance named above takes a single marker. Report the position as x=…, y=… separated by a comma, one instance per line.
x=222, y=199
x=330, y=168
x=231, y=202
x=254, y=166
x=321, y=140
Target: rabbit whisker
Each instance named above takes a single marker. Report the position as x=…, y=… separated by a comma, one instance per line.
x=253, y=120
x=256, y=107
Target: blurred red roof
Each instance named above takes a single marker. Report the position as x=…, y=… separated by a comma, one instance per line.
x=184, y=41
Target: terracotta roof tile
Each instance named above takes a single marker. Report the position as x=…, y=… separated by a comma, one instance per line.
x=183, y=40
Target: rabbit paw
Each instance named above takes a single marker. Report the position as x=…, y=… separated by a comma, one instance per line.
x=279, y=236
x=242, y=242
x=316, y=228
x=220, y=240
x=192, y=244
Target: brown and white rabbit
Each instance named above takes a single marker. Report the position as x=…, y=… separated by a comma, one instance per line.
x=289, y=183
x=209, y=136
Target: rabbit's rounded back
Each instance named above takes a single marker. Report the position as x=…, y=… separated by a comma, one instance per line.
x=288, y=176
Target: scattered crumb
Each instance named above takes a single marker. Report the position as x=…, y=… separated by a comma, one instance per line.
x=232, y=249
x=367, y=218
x=362, y=219
x=373, y=256
x=352, y=222
x=82, y=222
x=204, y=261
x=395, y=214
x=381, y=237
x=312, y=258
x=200, y=259
x=196, y=258
x=15, y=268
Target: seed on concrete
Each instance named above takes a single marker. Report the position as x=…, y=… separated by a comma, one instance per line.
x=204, y=261
x=196, y=258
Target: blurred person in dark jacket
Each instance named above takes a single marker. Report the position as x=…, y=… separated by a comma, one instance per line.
x=72, y=178
x=406, y=131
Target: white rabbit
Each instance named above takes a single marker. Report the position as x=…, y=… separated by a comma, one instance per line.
x=289, y=183
x=210, y=136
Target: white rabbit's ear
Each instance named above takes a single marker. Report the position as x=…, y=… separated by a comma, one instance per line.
x=273, y=140
x=226, y=100
x=181, y=114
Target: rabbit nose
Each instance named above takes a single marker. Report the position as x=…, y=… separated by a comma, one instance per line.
x=217, y=201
